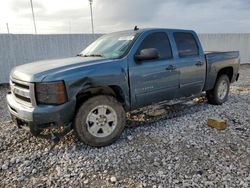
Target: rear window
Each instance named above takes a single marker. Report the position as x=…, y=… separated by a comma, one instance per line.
x=186, y=44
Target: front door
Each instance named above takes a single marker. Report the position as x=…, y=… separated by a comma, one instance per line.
x=155, y=80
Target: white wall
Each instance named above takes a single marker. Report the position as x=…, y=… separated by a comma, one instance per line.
x=228, y=42
x=21, y=49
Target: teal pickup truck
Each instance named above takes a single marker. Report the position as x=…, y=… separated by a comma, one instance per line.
x=117, y=73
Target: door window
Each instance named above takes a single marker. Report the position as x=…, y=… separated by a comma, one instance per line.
x=160, y=42
x=186, y=44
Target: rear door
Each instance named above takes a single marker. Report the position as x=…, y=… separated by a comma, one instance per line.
x=191, y=63
x=154, y=80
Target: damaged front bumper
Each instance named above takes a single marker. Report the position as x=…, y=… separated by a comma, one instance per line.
x=41, y=117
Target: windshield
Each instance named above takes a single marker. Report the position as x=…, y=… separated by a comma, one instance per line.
x=110, y=46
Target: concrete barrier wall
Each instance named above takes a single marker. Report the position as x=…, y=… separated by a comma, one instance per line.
x=20, y=49
x=228, y=42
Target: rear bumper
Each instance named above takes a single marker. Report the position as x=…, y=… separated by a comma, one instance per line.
x=42, y=116
x=237, y=77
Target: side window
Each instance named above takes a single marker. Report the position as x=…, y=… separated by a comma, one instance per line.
x=159, y=41
x=186, y=44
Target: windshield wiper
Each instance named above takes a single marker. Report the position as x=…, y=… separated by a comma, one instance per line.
x=93, y=55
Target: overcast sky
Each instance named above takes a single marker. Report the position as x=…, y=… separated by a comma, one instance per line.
x=73, y=16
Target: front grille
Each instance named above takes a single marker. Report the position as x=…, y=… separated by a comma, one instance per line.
x=21, y=85
x=23, y=92
x=26, y=99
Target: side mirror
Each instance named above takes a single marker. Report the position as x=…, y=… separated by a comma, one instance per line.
x=147, y=54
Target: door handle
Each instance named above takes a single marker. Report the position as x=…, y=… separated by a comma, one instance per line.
x=171, y=67
x=199, y=63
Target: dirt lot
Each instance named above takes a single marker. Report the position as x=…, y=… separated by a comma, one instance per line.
x=177, y=152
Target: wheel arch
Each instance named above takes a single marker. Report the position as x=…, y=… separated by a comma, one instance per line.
x=227, y=71
x=112, y=90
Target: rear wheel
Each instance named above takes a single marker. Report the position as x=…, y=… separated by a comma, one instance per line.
x=99, y=121
x=219, y=94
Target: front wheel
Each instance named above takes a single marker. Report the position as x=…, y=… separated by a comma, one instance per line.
x=219, y=94
x=99, y=121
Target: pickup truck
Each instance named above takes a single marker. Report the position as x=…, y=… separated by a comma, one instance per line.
x=119, y=72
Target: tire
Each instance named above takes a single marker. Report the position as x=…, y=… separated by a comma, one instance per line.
x=219, y=94
x=99, y=121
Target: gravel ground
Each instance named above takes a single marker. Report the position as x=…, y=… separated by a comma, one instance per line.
x=177, y=152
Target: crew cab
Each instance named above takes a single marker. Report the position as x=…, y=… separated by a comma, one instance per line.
x=117, y=73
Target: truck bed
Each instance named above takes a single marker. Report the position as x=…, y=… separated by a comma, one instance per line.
x=218, y=60
x=212, y=56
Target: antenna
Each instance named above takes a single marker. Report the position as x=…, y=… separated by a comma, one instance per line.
x=136, y=28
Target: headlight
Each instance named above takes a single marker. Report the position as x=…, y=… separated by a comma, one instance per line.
x=51, y=93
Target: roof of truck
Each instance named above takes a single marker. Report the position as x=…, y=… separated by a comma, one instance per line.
x=152, y=29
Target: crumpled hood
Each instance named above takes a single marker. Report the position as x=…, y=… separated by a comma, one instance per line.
x=37, y=71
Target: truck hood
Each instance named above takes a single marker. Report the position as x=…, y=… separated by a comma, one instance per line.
x=37, y=71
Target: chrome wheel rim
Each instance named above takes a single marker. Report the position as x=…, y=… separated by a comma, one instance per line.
x=222, y=90
x=101, y=121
